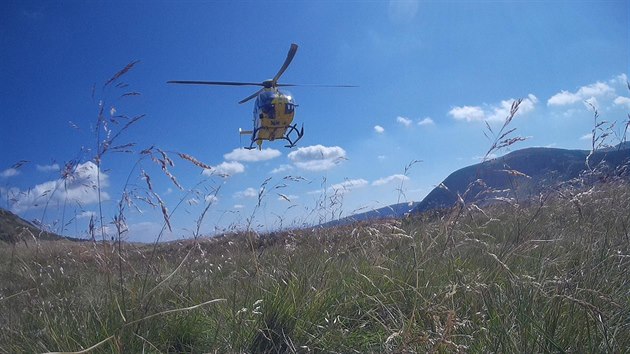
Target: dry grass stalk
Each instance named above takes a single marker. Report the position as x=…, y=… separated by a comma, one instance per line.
x=194, y=161
x=87, y=350
x=122, y=72
x=163, y=208
x=130, y=94
x=501, y=139
x=401, y=192
x=600, y=133
x=19, y=164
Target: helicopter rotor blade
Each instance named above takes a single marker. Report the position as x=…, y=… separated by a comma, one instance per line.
x=287, y=61
x=223, y=83
x=313, y=85
x=253, y=95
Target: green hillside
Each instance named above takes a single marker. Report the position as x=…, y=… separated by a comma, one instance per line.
x=15, y=229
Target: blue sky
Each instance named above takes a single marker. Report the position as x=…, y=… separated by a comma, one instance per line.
x=430, y=74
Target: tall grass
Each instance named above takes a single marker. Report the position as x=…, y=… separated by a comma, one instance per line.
x=549, y=276
x=381, y=287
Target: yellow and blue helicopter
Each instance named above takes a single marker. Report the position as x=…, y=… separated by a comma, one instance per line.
x=273, y=110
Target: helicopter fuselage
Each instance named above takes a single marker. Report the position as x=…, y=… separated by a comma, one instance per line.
x=273, y=116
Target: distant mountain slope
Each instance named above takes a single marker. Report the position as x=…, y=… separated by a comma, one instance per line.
x=390, y=211
x=13, y=228
x=544, y=167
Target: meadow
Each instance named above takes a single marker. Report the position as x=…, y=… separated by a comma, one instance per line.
x=545, y=276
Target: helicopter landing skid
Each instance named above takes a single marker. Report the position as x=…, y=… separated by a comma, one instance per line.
x=291, y=129
x=299, y=133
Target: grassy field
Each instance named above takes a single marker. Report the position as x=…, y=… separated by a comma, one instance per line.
x=546, y=275
x=549, y=276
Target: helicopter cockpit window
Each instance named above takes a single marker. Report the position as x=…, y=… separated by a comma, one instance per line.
x=265, y=104
x=289, y=108
x=269, y=110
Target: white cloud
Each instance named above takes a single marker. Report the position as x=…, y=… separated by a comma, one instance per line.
x=238, y=206
x=9, y=172
x=79, y=187
x=493, y=113
x=468, y=113
x=282, y=168
x=317, y=152
x=622, y=101
x=588, y=136
x=596, y=89
x=48, y=168
x=211, y=199
x=225, y=169
x=591, y=103
x=253, y=155
x=317, y=157
x=341, y=188
x=247, y=193
x=426, y=121
x=621, y=79
x=348, y=185
x=498, y=114
x=564, y=98
x=404, y=121
x=389, y=179
x=379, y=129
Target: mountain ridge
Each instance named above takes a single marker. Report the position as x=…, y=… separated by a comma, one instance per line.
x=15, y=229
x=530, y=170
x=525, y=173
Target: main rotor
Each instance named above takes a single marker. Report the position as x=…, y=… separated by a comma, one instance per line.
x=267, y=84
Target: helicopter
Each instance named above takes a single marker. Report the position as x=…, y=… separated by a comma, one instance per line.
x=273, y=109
